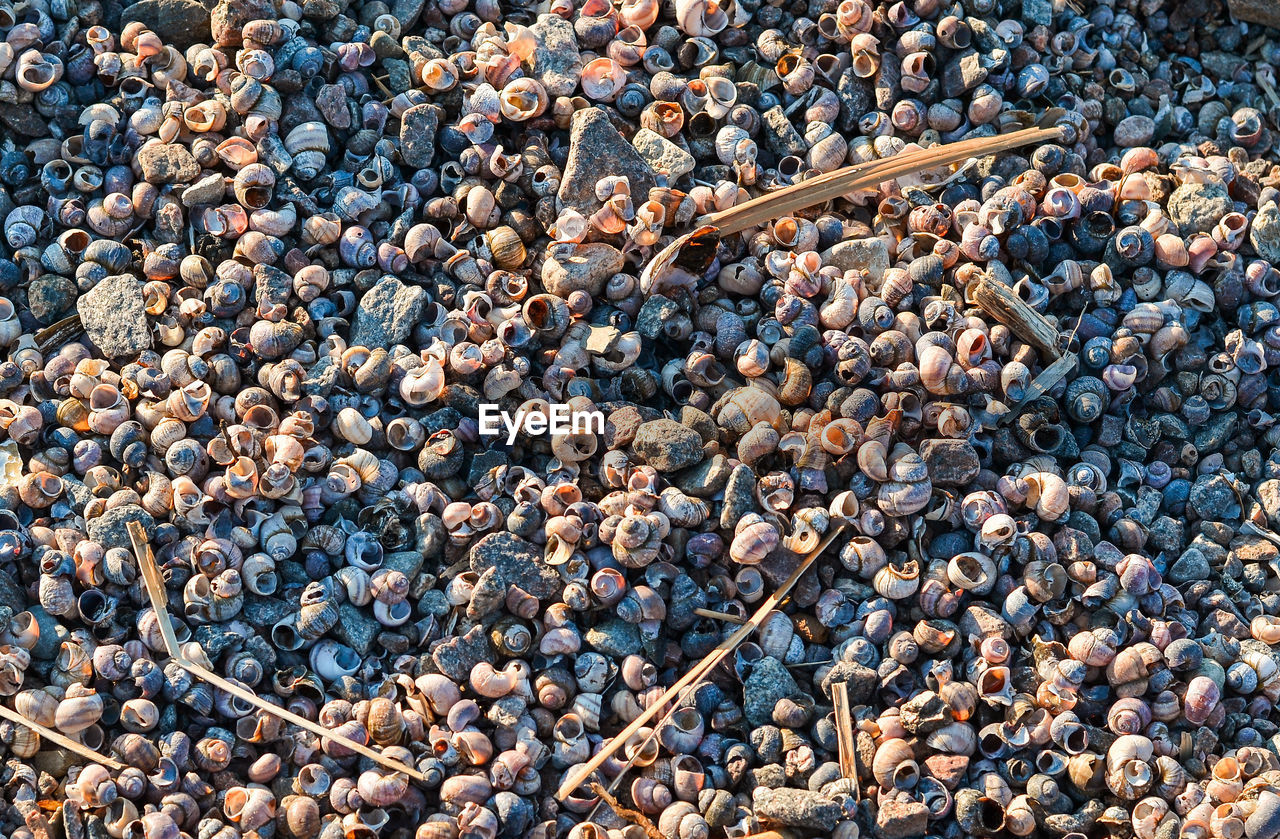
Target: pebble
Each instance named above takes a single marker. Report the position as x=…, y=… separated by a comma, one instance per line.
x=178, y=22
x=662, y=155
x=111, y=529
x=667, y=446
x=592, y=138
x=114, y=317
x=556, y=60
x=951, y=462
x=899, y=819
x=580, y=267
x=229, y=17
x=769, y=681
x=167, y=163
x=1196, y=207
x=517, y=562
x=870, y=255
x=387, y=312
x=796, y=808
x=418, y=129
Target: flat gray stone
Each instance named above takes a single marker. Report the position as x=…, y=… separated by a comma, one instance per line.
x=356, y=629
x=518, y=562
x=556, y=60
x=1197, y=207
x=614, y=638
x=667, y=446
x=662, y=154
x=596, y=149
x=870, y=255
x=111, y=529
x=769, y=681
x=11, y=594
x=587, y=266
x=418, y=127
x=798, y=808
x=167, y=163
x=1264, y=233
x=178, y=22
x=387, y=313
x=114, y=317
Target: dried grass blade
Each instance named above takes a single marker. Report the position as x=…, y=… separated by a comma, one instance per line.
x=719, y=616
x=1041, y=384
x=699, y=671
x=61, y=739
x=845, y=739
x=864, y=176
x=155, y=590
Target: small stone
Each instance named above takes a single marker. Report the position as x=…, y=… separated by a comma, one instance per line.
x=1038, y=12
x=11, y=594
x=952, y=463
x=1213, y=498
x=408, y=563
x=856, y=96
x=1264, y=233
x=654, y=315
x=662, y=154
x=901, y=818
x=586, y=267
x=613, y=638
x=111, y=529
x=780, y=135
x=457, y=655
x=925, y=712
x=963, y=72
x=387, y=313
x=178, y=22
x=870, y=255
x=1197, y=207
x=331, y=101
x=948, y=769
x=769, y=681
x=418, y=128
x=50, y=297
x=556, y=60
x=208, y=190
x=593, y=139
x=705, y=479
x=167, y=163
x=517, y=561
x=114, y=317
x=1265, y=12
x=667, y=446
x=267, y=611
x=1192, y=565
x=859, y=679
x=22, y=118
x=215, y=640
x=356, y=628
x=621, y=425
x=228, y=18
x=407, y=12
x=52, y=633
x=1135, y=130
x=1249, y=549
x=797, y=808
x=1167, y=534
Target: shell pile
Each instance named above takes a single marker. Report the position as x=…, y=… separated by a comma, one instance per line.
x=267, y=263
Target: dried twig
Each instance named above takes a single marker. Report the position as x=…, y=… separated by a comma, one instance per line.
x=58, y=333
x=1003, y=303
x=832, y=185
x=61, y=739
x=700, y=670
x=846, y=741
x=634, y=815
x=155, y=590
x=719, y=616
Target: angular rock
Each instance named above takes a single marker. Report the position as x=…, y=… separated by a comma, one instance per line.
x=1265, y=12
x=899, y=819
x=387, y=313
x=1213, y=498
x=963, y=72
x=655, y=314
x=705, y=479
x=1197, y=207
x=167, y=163
x=408, y=563
x=952, y=463
x=418, y=128
x=11, y=594
x=228, y=18
x=356, y=628
x=457, y=655
x=614, y=638
x=178, y=22
x=23, y=118
x=556, y=60
x=407, y=12
x=871, y=255
x=859, y=679
x=949, y=769
x=596, y=149
x=50, y=297
x=1264, y=233
x=780, y=135
x=114, y=317
x=667, y=446
x=769, y=681
x=586, y=267
x=797, y=808
x=518, y=562
x=208, y=190
x=1192, y=565
x=111, y=529
x=662, y=154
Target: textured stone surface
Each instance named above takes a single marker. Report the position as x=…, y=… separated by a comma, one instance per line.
x=50, y=297
x=952, y=463
x=456, y=656
x=387, y=313
x=797, y=808
x=167, y=163
x=556, y=60
x=586, y=267
x=1196, y=208
x=356, y=628
x=593, y=140
x=769, y=681
x=871, y=255
x=114, y=317
x=229, y=17
x=898, y=819
x=1264, y=233
x=418, y=135
x=614, y=638
x=1266, y=12
x=667, y=446
x=662, y=154
x=178, y=22
x=111, y=529
x=517, y=561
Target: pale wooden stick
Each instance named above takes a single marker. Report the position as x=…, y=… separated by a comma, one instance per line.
x=155, y=590
x=720, y=616
x=1003, y=303
x=845, y=738
x=832, y=185
x=699, y=670
x=61, y=739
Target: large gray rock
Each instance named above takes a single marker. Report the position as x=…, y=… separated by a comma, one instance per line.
x=114, y=317
x=596, y=149
x=178, y=22
x=769, y=681
x=167, y=163
x=667, y=446
x=571, y=267
x=556, y=60
x=418, y=128
x=111, y=529
x=870, y=255
x=226, y=22
x=518, y=563
x=662, y=154
x=952, y=463
x=1264, y=233
x=1197, y=207
x=387, y=313
x=797, y=808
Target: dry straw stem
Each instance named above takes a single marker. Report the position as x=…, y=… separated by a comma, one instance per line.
x=823, y=188
x=155, y=590
x=719, y=616
x=61, y=739
x=846, y=741
x=701, y=669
